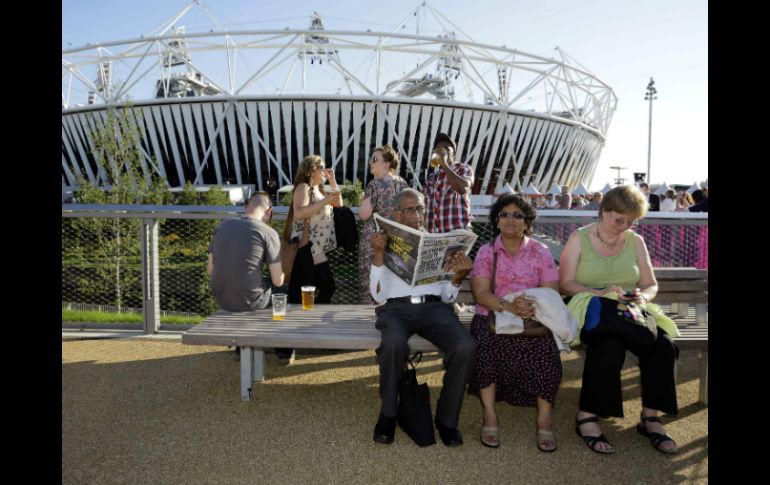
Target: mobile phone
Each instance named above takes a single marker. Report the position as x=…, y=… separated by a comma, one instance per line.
x=629, y=294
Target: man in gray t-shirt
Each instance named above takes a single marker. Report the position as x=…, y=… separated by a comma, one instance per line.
x=236, y=254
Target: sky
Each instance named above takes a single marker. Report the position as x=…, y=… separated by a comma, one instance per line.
x=623, y=42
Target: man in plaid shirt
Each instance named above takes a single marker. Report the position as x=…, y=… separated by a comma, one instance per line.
x=448, y=190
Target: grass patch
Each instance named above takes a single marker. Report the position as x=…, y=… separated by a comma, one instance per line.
x=111, y=317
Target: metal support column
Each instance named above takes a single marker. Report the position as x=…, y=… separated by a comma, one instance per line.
x=150, y=276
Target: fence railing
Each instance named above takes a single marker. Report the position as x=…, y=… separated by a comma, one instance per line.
x=154, y=257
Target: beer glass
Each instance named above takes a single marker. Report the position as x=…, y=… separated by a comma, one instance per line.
x=435, y=159
x=308, y=297
x=337, y=193
x=279, y=306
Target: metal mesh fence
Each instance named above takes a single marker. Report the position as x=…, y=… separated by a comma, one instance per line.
x=101, y=261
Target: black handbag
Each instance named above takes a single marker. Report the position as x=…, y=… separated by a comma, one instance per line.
x=414, y=412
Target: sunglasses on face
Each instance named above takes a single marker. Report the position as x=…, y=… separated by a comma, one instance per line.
x=511, y=215
x=410, y=211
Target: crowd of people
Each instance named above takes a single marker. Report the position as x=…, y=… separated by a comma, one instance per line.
x=670, y=201
x=598, y=295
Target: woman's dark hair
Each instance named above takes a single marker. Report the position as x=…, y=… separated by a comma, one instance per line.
x=697, y=195
x=530, y=214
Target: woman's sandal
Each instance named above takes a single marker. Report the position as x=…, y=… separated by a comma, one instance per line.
x=490, y=432
x=546, y=435
x=591, y=441
x=656, y=439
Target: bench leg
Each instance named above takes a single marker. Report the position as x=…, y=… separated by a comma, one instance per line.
x=700, y=313
x=682, y=310
x=246, y=367
x=258, y=366
x=703, y=391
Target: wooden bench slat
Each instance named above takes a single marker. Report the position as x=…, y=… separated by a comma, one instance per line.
x=681, y=273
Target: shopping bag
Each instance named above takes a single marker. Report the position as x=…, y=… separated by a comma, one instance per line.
x=414, y=412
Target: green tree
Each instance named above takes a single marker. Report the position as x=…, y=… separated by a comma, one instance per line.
x=351, y=193
x=116, y=241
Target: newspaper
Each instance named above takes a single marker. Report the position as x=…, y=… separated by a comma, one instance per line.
x=418, y=257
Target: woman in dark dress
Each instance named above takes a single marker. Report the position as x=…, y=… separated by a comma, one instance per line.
x=522, y=371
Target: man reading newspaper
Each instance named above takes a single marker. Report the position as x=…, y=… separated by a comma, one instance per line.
x=419, y=257
x=427, y=311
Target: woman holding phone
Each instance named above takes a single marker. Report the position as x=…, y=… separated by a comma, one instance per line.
x=609, y=260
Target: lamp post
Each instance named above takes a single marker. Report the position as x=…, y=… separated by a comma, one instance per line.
x=650, y=95
x=619, y=180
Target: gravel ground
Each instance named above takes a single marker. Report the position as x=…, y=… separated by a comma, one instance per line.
x=149, y=411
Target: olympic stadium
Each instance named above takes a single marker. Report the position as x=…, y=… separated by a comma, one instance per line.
x=221, y=106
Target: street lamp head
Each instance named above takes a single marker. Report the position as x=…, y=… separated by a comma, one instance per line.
x=651, y=91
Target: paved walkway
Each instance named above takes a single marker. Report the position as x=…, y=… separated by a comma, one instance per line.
x=156, y=411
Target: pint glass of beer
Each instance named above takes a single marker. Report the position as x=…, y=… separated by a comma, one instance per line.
x=338, y=196
x=435, y=160
x=279, y=306
x=308, y=297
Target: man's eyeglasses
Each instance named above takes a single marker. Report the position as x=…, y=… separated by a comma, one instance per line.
x=511, y=215
x=410, y=211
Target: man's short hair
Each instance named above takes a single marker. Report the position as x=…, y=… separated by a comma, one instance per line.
x=410, y=192
x=643, y=185
x=259, y=199
x=446, y=138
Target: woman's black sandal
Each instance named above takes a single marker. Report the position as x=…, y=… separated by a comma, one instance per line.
x=656, y=439
x=591, y=441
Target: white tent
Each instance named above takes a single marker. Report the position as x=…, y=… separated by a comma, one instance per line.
x=555, y=190
x=606, y=189
x=581, y=190
x=531, y=190
x=662, y=189
x=506, y=189
x=693, y=188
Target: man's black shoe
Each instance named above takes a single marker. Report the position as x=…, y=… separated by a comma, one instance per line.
x=449, y=436
x=285, y=356
x=384, y=430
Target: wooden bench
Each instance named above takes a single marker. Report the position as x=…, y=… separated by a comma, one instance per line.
x=351, y=327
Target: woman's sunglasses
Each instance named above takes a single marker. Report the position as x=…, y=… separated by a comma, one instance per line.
x=511, y=215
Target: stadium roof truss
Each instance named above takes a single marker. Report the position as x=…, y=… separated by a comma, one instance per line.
x=390, y=77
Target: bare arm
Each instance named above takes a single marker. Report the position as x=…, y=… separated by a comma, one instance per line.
x=303, y=209
x=482, y=295
x=554, y=285
x=276, y=273
x=648, y=285
x=210, y=265
x=366, y=210
x=459, y=184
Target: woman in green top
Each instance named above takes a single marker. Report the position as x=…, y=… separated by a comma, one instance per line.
x=608, y=258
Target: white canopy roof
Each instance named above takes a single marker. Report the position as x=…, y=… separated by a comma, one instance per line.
x=580, y=190
x=662, y=189
x=606, y=189
x=555, y=190
x=506, y=189
x=531, y=190
x=693, y=188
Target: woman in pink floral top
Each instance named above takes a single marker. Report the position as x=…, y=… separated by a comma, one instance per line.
x=523, y=371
